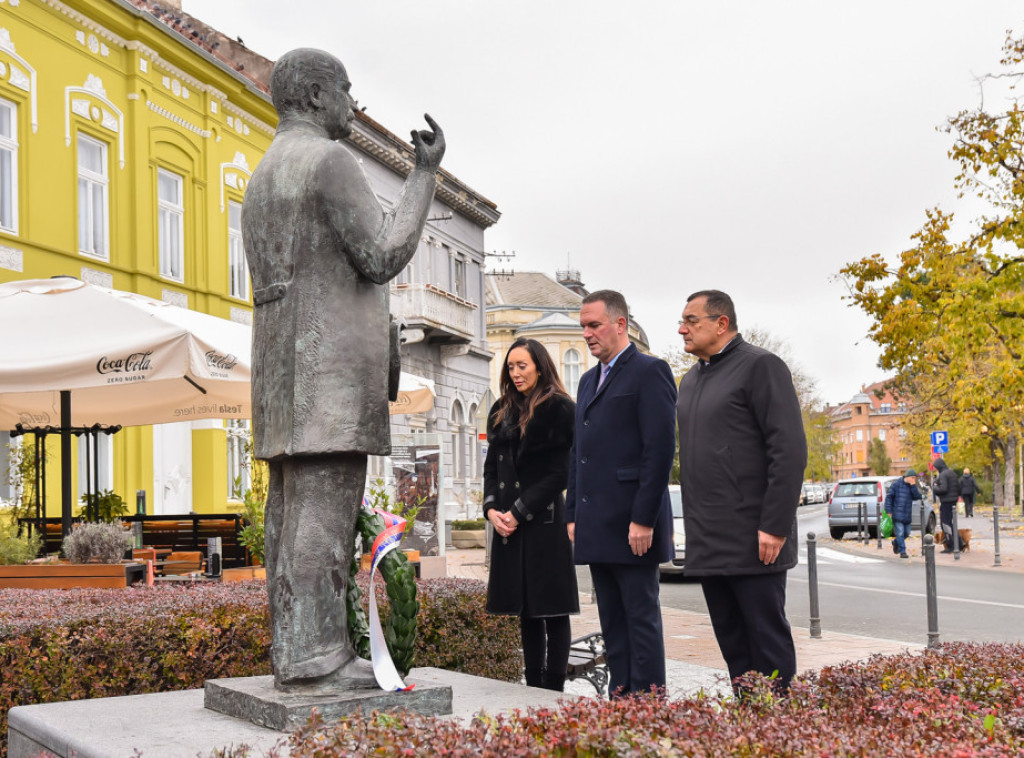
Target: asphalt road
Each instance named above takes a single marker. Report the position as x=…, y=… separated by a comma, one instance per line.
x=882, y=598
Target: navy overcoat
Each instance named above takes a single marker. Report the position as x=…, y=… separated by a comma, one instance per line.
x=621, y=460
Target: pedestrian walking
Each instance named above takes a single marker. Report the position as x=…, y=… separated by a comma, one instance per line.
x=947, y=490
x=900, y=502
x=968, y=489
x=529, y=435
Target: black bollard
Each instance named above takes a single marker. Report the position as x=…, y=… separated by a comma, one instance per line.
x=995, y=534
x=862, y=510
x=812, y=584
x=924, y=521
x=878, y=524
x=956, y=534
x=931, y=591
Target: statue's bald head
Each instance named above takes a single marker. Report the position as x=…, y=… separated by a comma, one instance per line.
x=296, y=71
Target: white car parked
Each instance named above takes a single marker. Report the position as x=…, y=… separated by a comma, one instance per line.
x=678, y=561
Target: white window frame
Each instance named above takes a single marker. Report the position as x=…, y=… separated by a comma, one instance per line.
x=881, y=434
x=9, y=183
x=860, y=435
x=238, y=266
x=572, y=370
x=238, y=435
x=171, y=228
x=93, y=187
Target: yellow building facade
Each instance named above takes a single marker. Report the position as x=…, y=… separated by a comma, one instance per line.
x=125, y=150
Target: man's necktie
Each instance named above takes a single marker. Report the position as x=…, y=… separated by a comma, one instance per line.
x=604, y=372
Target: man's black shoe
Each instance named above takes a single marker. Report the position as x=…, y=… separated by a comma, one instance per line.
x=947, y=550
x=904, y=555
x=894, y=548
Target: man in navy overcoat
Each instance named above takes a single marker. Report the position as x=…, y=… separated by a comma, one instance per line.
x=617, y=504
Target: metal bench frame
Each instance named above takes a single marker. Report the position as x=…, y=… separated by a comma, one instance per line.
x=587, y=660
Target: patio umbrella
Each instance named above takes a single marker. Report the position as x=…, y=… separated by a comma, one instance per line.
x=75, y=355
x=415, y=395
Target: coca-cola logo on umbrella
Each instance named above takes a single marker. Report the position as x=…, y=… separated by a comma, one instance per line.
x=216, y=360
x=125, y=369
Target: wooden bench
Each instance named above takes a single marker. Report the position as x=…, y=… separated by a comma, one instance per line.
x=587, y=661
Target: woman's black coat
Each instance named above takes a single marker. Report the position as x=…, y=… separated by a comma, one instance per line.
x=532, y=572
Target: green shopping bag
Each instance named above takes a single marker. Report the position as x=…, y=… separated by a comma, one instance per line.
x=886, y=525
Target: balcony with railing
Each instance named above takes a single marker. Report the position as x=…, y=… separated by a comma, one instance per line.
x=442, y=316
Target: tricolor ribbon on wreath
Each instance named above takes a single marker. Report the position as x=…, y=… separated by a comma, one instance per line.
x=383, y=667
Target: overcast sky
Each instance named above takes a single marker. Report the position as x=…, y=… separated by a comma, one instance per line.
x=666, y=146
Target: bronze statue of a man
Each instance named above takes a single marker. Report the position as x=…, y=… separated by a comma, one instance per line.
x=321, y=250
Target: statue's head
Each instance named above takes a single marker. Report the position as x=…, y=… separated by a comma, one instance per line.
x=313, y=85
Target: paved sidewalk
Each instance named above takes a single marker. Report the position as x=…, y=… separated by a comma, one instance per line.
x=694, y=661
x=980, y=555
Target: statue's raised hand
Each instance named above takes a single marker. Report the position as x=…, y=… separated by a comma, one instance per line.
x=429, y=146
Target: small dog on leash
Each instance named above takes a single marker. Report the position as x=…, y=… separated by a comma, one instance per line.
x=965, y=538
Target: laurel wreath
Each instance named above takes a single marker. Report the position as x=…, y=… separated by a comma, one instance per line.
x=400, y=581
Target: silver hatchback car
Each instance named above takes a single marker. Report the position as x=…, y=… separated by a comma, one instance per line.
x=871, y=491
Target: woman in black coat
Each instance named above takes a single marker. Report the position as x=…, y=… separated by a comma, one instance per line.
x=529, y=435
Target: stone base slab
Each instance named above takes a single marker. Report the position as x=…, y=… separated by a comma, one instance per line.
x=254, y=699
x=176, y=724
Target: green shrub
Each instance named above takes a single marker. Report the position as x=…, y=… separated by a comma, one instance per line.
x=108, y=507
x=101, y=542
x=252, y=534
x=73, y=644
x=469, y=525
x=456, y=633
x=15, y=548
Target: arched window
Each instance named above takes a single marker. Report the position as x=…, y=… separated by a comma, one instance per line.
x=458, y=452
x=473, y=443
x=572, y=363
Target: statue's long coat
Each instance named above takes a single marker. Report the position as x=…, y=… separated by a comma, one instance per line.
x=321, y=356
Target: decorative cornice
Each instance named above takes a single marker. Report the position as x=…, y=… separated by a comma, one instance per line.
x=161, y=111
x=159, y=62
x=87, y=22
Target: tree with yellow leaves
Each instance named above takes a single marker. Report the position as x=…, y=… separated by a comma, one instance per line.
x=949, y=316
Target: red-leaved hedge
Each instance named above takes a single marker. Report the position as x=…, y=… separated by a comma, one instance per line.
x=960, y=700
x=74, y=644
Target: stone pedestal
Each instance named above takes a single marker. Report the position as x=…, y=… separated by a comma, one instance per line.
x=254, y=699
x=176, y=724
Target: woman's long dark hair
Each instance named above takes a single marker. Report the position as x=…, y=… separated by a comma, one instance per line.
x=548, y=385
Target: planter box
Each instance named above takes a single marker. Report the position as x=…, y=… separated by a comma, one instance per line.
x=463, y=538
x=243, y=573
x=57, y=576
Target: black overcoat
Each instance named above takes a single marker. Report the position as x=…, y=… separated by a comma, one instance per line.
x=742, y=454
x=532, y=572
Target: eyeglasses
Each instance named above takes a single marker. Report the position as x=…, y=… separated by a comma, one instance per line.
x=692, y=321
